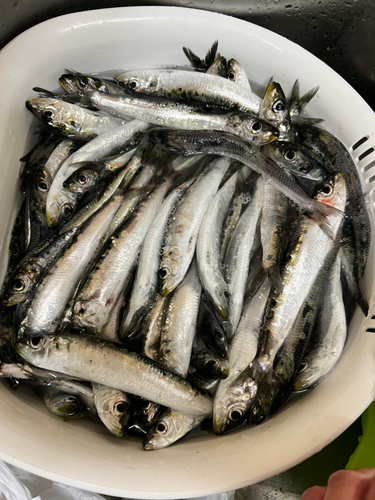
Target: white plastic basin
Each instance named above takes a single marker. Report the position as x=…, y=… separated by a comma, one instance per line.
x=82, y=453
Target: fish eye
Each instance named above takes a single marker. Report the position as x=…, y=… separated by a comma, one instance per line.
x=163, y=273
x=133, y=84
x=235, y=414
x=256, y=126
x=47, y=115
x=82, y=179
x=42, y=186
x=278, y=106
x=231, y=76
x=327, y=189
x=302, y=367
x=290, y=155
x=67, y=210
x=121, y=407
x=161, y=428
x=145, y=405
x=36, y=342
x=211, y=362
x=18, y=284
x=81, y=82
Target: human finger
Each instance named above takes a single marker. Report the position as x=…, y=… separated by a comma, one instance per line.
x=314, y=493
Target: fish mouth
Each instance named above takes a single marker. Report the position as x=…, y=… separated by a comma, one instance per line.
x=30, y=107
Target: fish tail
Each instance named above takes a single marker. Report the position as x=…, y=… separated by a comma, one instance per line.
x=322, y=214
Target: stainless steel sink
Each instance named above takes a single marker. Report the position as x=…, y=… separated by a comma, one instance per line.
x=340, y=32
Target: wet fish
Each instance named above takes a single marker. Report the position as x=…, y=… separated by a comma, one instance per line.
x=208, y=248
x=71, y=120
x=178, y=330
x=180, y=241
x=113, y=407
x=88, y=358
x=329, y=340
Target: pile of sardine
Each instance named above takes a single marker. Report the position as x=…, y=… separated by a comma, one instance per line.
x=185, y=250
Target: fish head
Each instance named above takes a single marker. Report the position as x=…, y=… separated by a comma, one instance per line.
x=84, y=178
x=60, y=206
x=274, y=106
x=252, y=128
x=228, y=414
x=214, y=336
x=216, y=368
x=236, y=73
x=86, y=315
x=231, y=409
x=42, y=184
x=168, y=428
x=218, y=67
x=113, y=407
x=140, y=81
x=20, y=287
x=332, y=192
x=307, y=376
x=149, y=411
x=171, y=270
x=76, y=83
x=297, y=160
x=62, y=404
x=39, y=351
x=58, y=114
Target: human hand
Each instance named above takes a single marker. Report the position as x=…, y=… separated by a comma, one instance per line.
x=345, y=485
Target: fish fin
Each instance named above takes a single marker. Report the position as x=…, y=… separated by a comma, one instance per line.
x=263, y=378
x=82, y=414
x=44, y=92
x=306, y=98
x=362, y=301
x=270, y=80
x=194, y=60
x=275, y=277
x=303, y=120
x=198, y=63
x=294, y=98
x=321, y=214
x=244, y=378
x=211, y=54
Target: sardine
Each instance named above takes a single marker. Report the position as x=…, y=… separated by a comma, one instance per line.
x=95, y=360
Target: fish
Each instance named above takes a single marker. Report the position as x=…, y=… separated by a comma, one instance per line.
x=208, y=248
x=178, y=330
x=72, y=120
x=61, y=203
x=308, y=253
x=169, y=427
x=88, y=358
x=99, y=295
x=180, y=240
x=223, y=144
x=179, y=85
x=146, y=279
x=113, y=407
x=232, y=399
x=329, y=339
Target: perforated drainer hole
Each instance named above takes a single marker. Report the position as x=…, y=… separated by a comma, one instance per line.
x=366, y=153
x=359, y=143
x=370, y=165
